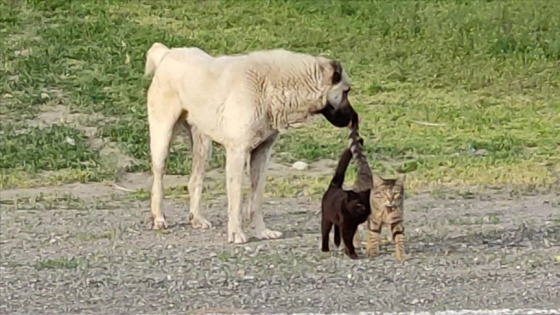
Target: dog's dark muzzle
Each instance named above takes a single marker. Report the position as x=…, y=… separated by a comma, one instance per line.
x=341, y=116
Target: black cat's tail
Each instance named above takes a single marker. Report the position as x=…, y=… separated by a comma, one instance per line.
x=339, y=173
x=336, y=236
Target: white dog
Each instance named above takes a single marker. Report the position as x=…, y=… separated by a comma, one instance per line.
x=241, y=102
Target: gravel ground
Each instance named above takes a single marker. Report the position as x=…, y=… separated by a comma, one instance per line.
x=490, y=251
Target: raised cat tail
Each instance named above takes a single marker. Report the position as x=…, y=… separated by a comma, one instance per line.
x=365, y=177
x=340, y=172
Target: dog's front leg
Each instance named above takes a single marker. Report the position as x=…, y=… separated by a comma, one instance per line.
x=260, y=157
x=235, y=162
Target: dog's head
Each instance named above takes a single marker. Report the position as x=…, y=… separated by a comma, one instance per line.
x=337, y=108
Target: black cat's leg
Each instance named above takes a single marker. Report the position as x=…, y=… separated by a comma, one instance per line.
x=326, y=226
x=348, y=231
x=336, y=236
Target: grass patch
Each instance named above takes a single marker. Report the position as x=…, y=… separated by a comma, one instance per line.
x=61, y=201
x=488, y=219
x=60, y=263
x=51, y=149
x=276, y=187
x=452, y=92
x=88, y=236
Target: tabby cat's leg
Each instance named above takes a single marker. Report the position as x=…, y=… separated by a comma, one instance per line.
x=374, y=235
x=397, y=230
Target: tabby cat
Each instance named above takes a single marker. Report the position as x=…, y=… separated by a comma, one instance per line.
x=387, y=208
x=386, y=201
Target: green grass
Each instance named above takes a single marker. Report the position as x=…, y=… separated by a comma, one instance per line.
x=60, y=263
x=489, y=219
x=453, y=92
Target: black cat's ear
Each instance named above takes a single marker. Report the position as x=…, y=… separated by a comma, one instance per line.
x=337, y=72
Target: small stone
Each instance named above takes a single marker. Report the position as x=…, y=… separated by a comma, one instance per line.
x=70, y=141
x=300, y=165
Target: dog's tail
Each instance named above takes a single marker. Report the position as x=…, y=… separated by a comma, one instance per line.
x=336, y=236
x=154, y=56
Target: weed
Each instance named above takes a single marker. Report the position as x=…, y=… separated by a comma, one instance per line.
x=490, y=219
x=59, y=263
x=88, y=236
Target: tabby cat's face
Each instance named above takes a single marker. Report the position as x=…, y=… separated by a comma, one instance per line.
x=387, y=194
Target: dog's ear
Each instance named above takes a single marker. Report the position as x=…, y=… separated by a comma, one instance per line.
x=337, y=72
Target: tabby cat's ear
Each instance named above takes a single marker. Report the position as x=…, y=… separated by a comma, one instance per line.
x=400, y=179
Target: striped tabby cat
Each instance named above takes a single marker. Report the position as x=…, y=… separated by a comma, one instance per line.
x=386, y=201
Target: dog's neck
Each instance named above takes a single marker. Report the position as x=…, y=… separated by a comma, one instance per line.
x=294, y=116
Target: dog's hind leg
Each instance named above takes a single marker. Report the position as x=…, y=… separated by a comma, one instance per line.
x=201, y=150
x=163, y=114
x=259, y=159
x=235, y=163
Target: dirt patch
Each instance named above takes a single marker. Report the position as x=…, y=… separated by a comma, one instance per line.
x=103, y=260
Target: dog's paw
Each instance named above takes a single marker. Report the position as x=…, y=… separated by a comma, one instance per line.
x=238, y=237
x=158, y=223
x=198, y=222
x=268, y=234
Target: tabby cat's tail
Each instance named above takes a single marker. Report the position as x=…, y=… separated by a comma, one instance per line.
x=364, y=180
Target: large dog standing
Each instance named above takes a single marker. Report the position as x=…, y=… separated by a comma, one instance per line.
x=241, y=102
